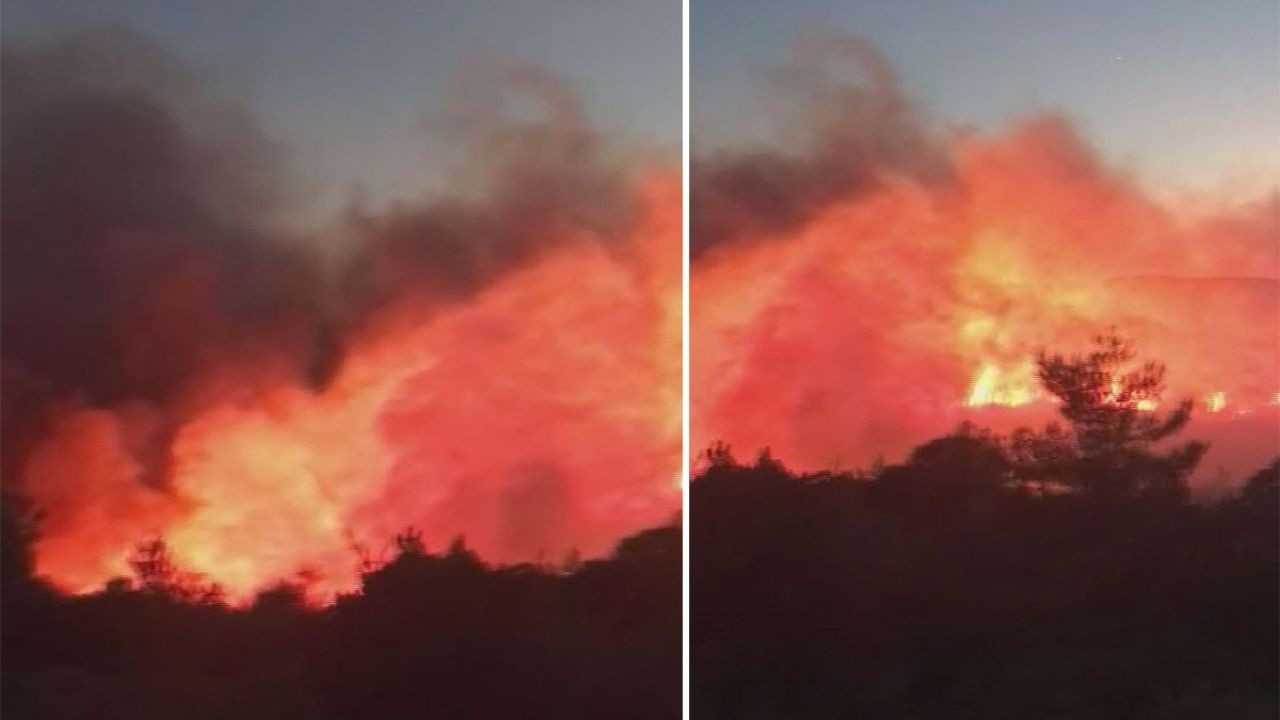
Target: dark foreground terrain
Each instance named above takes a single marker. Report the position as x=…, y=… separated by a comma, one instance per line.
x=922, y=593
x=1064, y=573
x=427, y=636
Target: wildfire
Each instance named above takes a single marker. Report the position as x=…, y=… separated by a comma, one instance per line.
x=541, y=416
x=858, y=315
x=1215, y=401
x=991, y=388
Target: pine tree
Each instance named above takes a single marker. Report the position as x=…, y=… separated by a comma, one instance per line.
x=1114, y=443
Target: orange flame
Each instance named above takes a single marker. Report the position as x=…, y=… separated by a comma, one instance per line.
x=991, y=387
x=865, y=328
x=540, y=417
x=1215, y=401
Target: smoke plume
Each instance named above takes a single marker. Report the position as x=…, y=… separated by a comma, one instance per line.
x=853, y=131
x=875, y=278
x=178, y=362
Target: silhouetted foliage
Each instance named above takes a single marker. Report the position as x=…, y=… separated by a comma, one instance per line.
x=425, y=636
x=157, y=573
x=1261, y=491
x=925, y=592
x=409, y=542
x=1064, y=573
x=17, y=530
x=1111, y=445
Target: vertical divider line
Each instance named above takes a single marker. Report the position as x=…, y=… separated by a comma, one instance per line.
x=684, y=360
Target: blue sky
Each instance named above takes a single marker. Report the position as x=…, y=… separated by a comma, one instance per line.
x=1185, y=94
x=344, y=84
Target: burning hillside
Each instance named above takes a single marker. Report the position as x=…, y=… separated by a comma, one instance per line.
x=875, y=280
x=502, y=363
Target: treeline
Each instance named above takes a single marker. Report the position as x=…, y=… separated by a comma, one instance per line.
x=1058, y=573
x=427, y=635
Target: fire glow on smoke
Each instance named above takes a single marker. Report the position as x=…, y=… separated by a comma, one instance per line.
x=540, y=417
x=875, y=281
x=502, y=363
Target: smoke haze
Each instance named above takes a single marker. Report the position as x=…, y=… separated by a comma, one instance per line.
x=176, y=364
x=852, y=285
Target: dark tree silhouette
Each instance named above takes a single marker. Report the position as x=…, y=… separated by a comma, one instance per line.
x=1064, y=573
x=1112, y=445
x=426, y=635
x=156, y=573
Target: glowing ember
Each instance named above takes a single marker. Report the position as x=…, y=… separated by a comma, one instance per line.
x=991, y=388
x=1215, y=401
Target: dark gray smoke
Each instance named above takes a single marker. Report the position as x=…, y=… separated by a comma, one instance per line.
x=137, y=219
x=858, y=131
x=134, y=219
x=133, y=216
x=536, y=174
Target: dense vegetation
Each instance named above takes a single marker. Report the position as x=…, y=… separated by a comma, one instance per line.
x=428, y=635
x=1065, y=572
x=1056, y=573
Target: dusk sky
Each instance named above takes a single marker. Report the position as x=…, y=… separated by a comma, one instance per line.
x=345, y=85
x=1186, y=94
